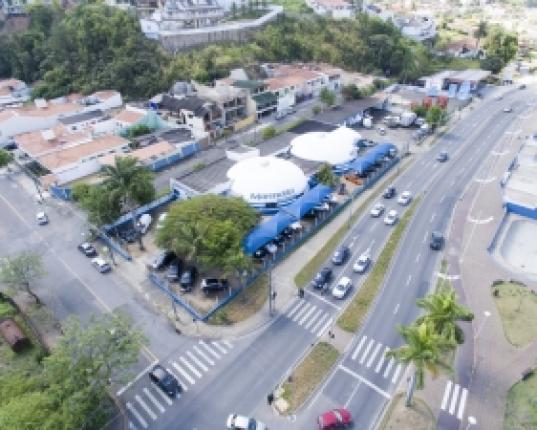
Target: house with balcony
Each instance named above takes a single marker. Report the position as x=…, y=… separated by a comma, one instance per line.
x=261, y=99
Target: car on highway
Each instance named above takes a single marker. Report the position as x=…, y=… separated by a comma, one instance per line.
x=322, y=278
x=377, y=210
x=188, y=278
x=240, y=422
x=163, y=379
x=522, y=87
x=405, y=198
x=381, y=131
x=209, y=285
x=508, y=109
x=87, y=249
x=437, y=241
x=389, y=193
x=162, y=260
x=391, y=217
x=41, y=218
x=442, y=156
x=174, y=270
x=342, y=288
x=334, y=419
x=498, y=98
x=340, y=255
x=101, y=265
x=363, y=262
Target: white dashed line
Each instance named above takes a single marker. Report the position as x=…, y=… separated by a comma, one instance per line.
x=408, y=280
x=418, y=257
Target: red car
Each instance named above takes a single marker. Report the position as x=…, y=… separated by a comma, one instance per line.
x=335, y=419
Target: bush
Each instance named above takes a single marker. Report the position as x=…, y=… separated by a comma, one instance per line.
x=80, y=191
x=316, y=110
x=199, y=166
x=269, y=132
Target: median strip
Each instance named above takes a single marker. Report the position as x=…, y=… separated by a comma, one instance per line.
x=354, y=314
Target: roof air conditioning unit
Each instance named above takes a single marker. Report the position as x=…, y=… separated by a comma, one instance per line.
x=48, y=135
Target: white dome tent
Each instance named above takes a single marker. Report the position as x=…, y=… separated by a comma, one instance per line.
x=335, y=147
x=266, y=181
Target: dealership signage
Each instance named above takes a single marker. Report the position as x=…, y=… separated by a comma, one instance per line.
x=289, y=192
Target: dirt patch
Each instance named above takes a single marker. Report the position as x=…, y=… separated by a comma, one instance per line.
x=416, y=417
x=521, y=407
x=517, y=305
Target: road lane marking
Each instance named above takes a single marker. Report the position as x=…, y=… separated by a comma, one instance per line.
x=138, y=377
x=418, y=257
x=396, y=309
x=454, y=399
x=366, y=351
x=189, y=378
x=372, y=243
x=325, y=327
x=447, y=391
x=137, y=415
x=443, y=198
x=190, y=367
x=462, y=403
x=197, y=361
x=396, y=374
x=425, y=236
x=388, y=367
x=298, y=305
x=381, y=361
x=209, y=349
x=322, y=299
x=433, y=216
x=373, y=355
x=183, y=385
x=203, y=355
x=365, y=381
x=302, y=311
x=358, y=348
x=153, y=400
x=145, y=407
x=219, y=347
x=319, y=323
x=164, y=396
x=313, y=319
x=408, y=280
x=227, y=343
x=307, y=315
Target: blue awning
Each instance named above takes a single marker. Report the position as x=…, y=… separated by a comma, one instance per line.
x=307, y=202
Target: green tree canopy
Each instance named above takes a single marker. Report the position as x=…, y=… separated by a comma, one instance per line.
x=435, y=116
x=326, y=175
x=5, y=157
x=21, y=271
x=501, y=44
x=327, y=97
x=101, y=205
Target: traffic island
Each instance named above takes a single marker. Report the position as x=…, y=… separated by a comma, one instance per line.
x=305, y=378
x=520, y=410
x=353, y=316
x=517, y=306
x=417, y=417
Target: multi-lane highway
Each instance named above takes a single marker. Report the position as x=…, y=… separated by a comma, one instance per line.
x=239, y=379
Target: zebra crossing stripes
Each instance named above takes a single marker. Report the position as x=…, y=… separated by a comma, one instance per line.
x=373, y=355
x=209, y=350
x=189, y=378
x=451, y=399
x=146, y=408
x=358, y=348
x=190, y=367
x=137, y=415
x=309, y=316
x=313, y=319
x=154, y=400
x=381, y=361
x=367, y=348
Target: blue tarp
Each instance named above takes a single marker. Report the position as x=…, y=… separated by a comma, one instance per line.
x=265, y=232
x=380, y=151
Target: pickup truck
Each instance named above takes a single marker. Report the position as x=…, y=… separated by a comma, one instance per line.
x=209, y=285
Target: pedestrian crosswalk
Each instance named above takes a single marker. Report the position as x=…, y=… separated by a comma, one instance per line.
x=371, y=354
x=310, y=317
x=145, y=406
x=454, y=399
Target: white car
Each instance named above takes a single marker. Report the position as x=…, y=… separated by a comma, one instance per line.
x=161, y=219
x=240, y=422
x=391, y=217
x=377, y=210
x=342, y=288
x=508, y=109
x=101, y=265
x=405, y=198
x=363, y=262
x=41, y=218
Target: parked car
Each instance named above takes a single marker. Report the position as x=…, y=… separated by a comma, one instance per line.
x=162, y=260
x=508, y=109
x=335, y=419
x=87, y=249
x=391, y=217
x=209, y=285
x=342, y=288
x=377, y=210
x=41, y=218
x=271, y=247
x=363, y=262
x=322, y=207
x=381, y=131
x=101, y=265
x=163, y=379
x=174, y=270
x=260, y=253
x=281, y=114
x=161, y=219
x=279, y=239
x=437, y=241
x=129, y=235
x=405, y=198
x=340, y=255
x=322, y=278
x=144, y=222
x=240, y=422
x=442, y=156
x=389, y=193
x=188, y=278
x=522, y=87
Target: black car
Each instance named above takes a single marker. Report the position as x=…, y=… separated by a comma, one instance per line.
x=165, y=380
x=437, y=240
x=209, y=285
x=341, y=255
x=188, y=278
x=174, y=270
x=389, y=193
x=87, y=249
x=129, y=235
x=442, y=156
x=162, y=260
x=322, y=278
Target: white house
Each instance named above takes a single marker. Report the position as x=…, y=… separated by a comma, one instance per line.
x=13, y=91
x=332, y=8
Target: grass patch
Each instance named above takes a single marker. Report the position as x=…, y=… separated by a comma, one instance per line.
x=309, y=374
x=521, y=407
x=418, y=416
x=249, y=301
x=308, y=271
x=440, y=63
x=357, y=309
x=517, y=306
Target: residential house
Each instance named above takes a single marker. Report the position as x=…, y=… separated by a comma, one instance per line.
x=202, y=117
x=261, y=100
x=43, y=142
x=332, y=8
x=13, y=91
x=82, y=121
x=465, y=48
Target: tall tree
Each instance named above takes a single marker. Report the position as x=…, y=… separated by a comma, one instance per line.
x=423, y=349
x=21, y=271
x=130, y=183
x=101, y=205
x=481, y=31
x=435, y=116
x=327, y=97
x=5, y=157
x=326, y=175
x=443, y=312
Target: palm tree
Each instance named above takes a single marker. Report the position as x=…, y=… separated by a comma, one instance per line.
x=423, y=349
x=480, y=32
x=443, y=312
x=131, y=183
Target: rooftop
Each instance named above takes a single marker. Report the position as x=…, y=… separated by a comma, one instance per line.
x=522, y=186
x=191, y=103
x=150, y=152
x=81, y=117
x=37, y=143
x=129, y=116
